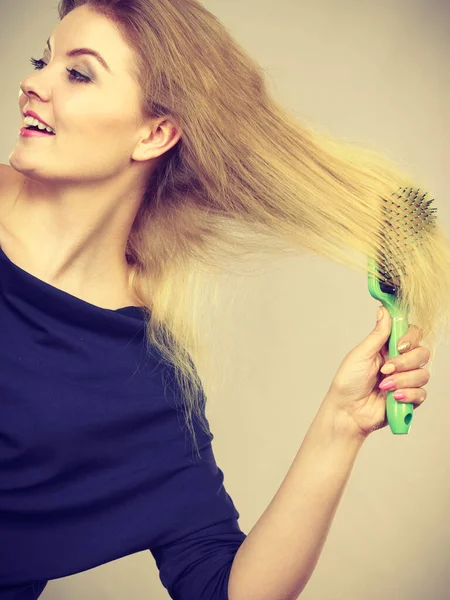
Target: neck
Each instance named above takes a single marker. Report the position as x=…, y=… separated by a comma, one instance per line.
x=73, y=251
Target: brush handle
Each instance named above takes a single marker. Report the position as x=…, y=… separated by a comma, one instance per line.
x=399, y=414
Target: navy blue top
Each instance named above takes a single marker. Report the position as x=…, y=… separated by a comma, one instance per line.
x=96, y=462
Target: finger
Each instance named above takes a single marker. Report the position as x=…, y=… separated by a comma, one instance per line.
x=410, y=379
x=414, y=359
x=413, y=395
x=413, y=337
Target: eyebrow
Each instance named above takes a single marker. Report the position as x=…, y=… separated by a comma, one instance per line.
x=80, y=51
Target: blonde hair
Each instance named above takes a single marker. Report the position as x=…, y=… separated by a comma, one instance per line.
x=245, y=180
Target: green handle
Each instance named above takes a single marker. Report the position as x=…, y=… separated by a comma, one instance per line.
x=399, y=414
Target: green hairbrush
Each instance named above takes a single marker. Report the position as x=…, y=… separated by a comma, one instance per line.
x=405, y=219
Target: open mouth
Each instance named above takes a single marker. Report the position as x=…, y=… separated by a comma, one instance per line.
x=36, y=128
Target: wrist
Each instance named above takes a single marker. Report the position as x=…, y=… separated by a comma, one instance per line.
x=342, y=424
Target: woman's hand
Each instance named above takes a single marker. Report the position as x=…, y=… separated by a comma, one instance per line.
x=355, y=395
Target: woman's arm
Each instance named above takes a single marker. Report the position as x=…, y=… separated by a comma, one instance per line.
x=279, y=555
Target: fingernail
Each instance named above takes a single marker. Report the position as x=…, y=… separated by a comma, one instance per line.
x=386, y=385
x=404, y=346
x=387, y=369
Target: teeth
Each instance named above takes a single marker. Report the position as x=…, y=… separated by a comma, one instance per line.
x=36, y=123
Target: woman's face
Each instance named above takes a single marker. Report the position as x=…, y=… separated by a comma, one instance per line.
x=95, y=114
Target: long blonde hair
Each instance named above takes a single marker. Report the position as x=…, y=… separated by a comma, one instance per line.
x=246, y=179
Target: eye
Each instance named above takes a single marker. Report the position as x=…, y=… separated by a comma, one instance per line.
x=74, y=76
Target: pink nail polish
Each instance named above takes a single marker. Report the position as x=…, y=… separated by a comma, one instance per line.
x=387, y=384
x=399, y=396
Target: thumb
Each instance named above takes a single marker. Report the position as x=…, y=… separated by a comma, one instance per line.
x=375, y=341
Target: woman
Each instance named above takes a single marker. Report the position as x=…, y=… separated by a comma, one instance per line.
x=162, y=149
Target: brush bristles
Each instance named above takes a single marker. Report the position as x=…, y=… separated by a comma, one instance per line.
x=408, y=218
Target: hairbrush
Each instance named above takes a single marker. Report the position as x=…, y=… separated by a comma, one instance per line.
x=406, y=217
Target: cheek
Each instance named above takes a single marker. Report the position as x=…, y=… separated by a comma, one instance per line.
x=91, y=129
x=102, y=130
x=101, y=146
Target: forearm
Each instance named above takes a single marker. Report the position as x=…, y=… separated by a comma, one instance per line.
x=279, y=555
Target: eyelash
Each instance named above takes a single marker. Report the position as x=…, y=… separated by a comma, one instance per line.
x=74, y=76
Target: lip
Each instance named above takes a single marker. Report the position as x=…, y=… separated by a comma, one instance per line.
x=31, y=113
x=25, y=132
